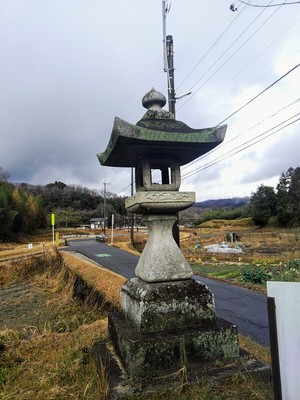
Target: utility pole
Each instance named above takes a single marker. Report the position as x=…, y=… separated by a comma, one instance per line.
x=169, y=69
x=104, y=207
x=168, y=54
x=171, y=82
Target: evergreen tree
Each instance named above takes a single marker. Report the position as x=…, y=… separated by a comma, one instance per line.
x=263, y=205
x=42, y=217
x=31, y=212
x=18, y=204
x=7, y=214
x=294, y=195
x=284, y=206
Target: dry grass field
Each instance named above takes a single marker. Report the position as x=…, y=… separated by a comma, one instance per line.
x=46, y=337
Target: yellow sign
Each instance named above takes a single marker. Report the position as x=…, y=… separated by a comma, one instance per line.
x=52, y=219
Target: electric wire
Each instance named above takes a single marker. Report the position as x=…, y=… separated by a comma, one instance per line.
x=238, y=149
x=260, y=93
x=230, y=57
x=286, y=3
x=255, y=97
x=244, y=132
x=246, y=66
x=210, y=49
x=123, y=189
x=262, y=122
x=216, y=161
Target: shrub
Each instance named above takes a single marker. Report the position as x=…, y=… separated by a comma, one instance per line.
x=255, y=274
x=294, y=264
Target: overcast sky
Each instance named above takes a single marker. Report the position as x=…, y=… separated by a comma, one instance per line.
x=68, y=67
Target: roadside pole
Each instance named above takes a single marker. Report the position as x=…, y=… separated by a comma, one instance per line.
x=53, y=224
x=112, y=228
x=132, y=216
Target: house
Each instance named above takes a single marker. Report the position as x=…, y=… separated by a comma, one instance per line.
x=96, y=223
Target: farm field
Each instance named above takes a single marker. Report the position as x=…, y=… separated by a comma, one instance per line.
x=268, y=254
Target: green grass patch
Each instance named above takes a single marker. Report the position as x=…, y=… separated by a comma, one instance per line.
x=220, y=271
x=254, y=274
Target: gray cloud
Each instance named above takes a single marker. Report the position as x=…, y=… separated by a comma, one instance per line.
x=69, y=67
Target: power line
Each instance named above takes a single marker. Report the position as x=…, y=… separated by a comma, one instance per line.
x=263, y=121
x=228, y=48
x=244, y=132
x=259, y=94
x=231, y=152
x=247, y=65
x=255, y=97
x=238, y=149
x=234, y=8
x=231, y=56
x=123, y=189
x=210, y=48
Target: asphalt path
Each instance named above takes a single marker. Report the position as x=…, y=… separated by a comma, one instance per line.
x=245, y=308
x=112, y=258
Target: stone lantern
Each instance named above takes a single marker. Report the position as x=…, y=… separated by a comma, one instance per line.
x=167, y=318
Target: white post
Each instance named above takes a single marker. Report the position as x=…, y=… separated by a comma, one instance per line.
x=112, y=228
x=287, y=301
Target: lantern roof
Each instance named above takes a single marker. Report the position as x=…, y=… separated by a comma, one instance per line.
x=158, y=134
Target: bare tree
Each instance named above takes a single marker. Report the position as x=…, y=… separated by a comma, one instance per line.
x=4, y=175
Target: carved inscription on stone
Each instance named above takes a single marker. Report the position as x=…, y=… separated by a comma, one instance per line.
x=166, y=196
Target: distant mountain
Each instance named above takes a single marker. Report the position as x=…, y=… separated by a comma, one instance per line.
x=223, y=203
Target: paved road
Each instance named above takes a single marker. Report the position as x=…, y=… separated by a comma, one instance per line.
x=112, y=258
x=245, y=308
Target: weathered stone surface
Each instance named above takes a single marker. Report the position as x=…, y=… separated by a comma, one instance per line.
x=160, y=201
x=145, y=356
x=157, y=307
x=154, y=101
x=168, y=319
x=161, y=260
x=128, y=143
x=170, y=174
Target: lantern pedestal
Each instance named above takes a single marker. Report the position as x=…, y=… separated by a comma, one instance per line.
x=146, y=356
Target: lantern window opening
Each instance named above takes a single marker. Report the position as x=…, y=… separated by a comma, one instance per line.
x=161, y=176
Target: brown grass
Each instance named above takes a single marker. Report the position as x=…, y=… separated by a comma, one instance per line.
x=54, y=360
x=259, y=352
x=106, y=282
x=58, y=365
x=16, y=250
x=126, y=246
x=26, y=269
x=53, y=366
